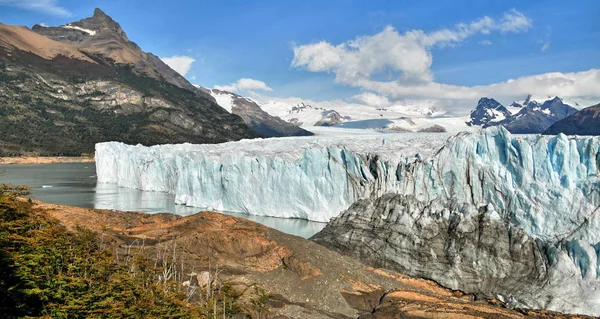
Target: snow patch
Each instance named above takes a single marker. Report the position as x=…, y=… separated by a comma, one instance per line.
x=90, y=32
x=225, y=100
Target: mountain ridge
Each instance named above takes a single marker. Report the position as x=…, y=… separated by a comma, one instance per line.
x=528, y=117
x=60, y=98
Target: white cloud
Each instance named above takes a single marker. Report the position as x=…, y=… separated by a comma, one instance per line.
x=180, y=63
x=545, y=47
x=372, y=99
x=576, y=86
x=485, y=42
x=514, y=21
x=244, y=84
x=408, y=53
x=50, y=7
x=359, y=62
x=193, y=78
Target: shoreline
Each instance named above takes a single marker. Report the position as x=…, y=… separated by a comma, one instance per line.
x=46, y=159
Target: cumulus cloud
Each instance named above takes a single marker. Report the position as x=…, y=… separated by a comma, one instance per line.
x=372, y=99
x=49, y=7
x=408, y=53
x=180, y=63
x=245, y=84
x=576, y=86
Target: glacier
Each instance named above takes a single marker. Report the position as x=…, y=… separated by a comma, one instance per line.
x=312, y=178
x=509, y=216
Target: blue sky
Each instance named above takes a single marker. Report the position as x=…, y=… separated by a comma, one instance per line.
x=230, y=40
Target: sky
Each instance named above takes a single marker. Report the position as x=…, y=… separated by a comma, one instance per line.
x=373, y=53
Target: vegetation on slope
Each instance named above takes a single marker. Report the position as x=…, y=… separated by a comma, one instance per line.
x=49, y=271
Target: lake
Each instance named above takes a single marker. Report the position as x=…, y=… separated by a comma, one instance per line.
x=75, y=184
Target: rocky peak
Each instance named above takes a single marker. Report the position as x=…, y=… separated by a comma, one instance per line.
x=488, y=112
x=102, y=23
x=487, y=103
x=98, y=13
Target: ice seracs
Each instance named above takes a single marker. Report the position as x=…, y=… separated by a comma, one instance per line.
x=318, y=177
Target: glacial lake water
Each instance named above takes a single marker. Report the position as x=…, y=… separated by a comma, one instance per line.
x=75, y=184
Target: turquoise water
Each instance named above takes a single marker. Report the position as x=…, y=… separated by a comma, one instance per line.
x=75, y=184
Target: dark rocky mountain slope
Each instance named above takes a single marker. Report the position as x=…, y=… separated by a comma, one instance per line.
x=584, y=122
x=60, y=98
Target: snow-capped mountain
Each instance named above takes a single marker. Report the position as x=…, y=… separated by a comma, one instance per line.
x=488, y=112
x=530, y=116
x=253, y=115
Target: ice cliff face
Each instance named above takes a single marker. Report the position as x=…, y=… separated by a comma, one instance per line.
x=313, y=178
x=490, y=213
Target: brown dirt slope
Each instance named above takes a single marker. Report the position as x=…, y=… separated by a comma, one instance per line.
x=21, y=38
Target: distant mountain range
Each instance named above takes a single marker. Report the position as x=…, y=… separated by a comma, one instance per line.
x=527, y=117
x=65, y=88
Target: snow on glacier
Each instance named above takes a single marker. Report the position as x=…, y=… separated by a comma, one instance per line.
x=313, y=178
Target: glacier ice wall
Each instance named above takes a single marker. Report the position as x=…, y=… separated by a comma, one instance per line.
x=492, y=213
x=468, y=248
x=550, y=186
x=313, y=178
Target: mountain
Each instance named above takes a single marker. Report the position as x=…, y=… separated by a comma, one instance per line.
x=488, y=113
x=584, y=122
x=63, y=89
x=253, y=115
x=100, y=34
x=535, y=117
x=330, y=118
x=527, y=117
